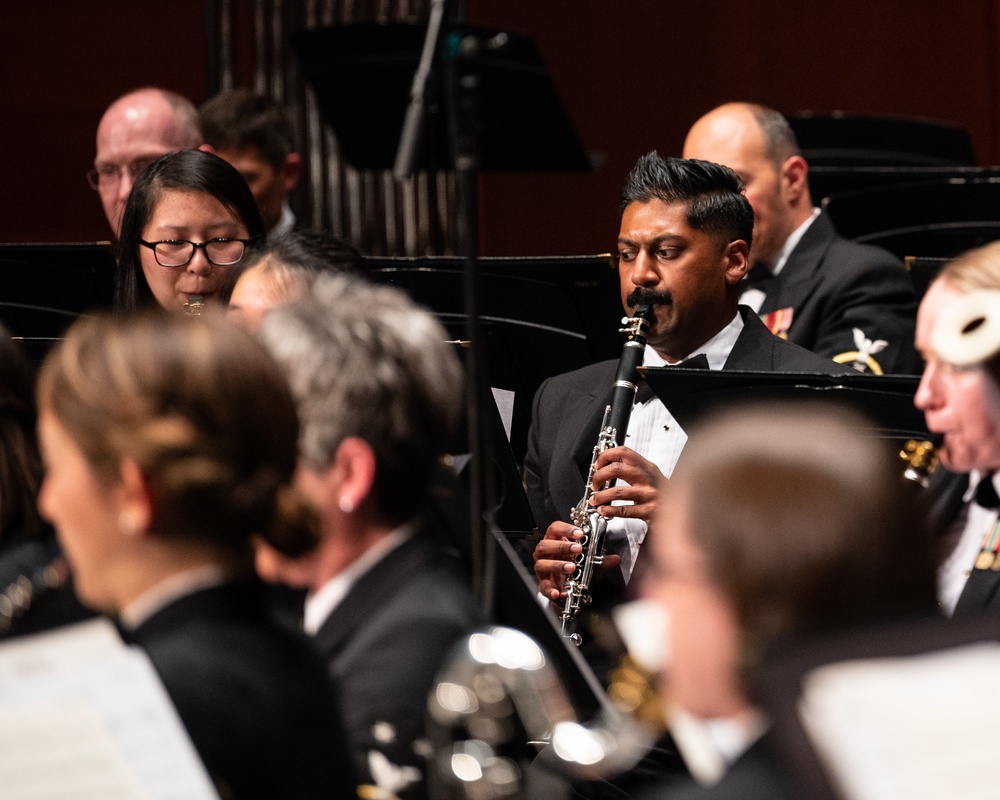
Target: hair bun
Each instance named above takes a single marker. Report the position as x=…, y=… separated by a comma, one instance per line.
x=295, y=526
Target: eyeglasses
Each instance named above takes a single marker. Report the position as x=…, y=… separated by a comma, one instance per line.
x=109, y=175
x=173, y=253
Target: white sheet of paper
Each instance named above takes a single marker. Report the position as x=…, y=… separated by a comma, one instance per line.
x=920, y=727
x=83, y=716
x=504, y=398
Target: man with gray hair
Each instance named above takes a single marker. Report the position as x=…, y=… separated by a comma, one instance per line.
x=850, y=302
x=380, y=401
x=135, y=130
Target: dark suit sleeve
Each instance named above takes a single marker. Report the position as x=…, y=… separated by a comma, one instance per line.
x=534, y=459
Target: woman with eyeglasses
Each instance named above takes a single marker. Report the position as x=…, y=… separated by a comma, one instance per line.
x=189, y=219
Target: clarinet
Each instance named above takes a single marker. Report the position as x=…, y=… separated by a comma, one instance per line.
x=612, y=434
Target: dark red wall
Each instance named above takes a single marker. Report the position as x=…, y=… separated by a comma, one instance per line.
x=633, y=75
x=61, y=64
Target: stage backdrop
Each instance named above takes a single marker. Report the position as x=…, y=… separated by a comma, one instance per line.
x=632, y=77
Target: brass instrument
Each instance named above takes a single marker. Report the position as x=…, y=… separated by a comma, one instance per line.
x=195, y=305
x=921, y=459
x=496, y=699
x=612, y=434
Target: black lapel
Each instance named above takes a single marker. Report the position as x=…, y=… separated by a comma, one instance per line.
x=978, y=595
x=599, y=396
x=943, y=499
x=372, y=591
x=797, y=279
x=754, y=347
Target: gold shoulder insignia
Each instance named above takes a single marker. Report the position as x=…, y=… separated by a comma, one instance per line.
x=861, y=359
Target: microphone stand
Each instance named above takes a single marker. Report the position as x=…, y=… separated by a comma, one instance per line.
x=461, y=56
x=413, y=122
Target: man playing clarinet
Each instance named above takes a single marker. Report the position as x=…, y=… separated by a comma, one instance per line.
x=684, y=240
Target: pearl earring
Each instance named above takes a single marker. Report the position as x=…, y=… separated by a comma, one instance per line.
x=346, y=504
x=126, y=525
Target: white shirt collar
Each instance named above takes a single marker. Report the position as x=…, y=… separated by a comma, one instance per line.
x=974, y=478
x=791, y=243
x=286, y=222
x=711, y=746
x=321, y=603
x=173, y=588
x=716, y=349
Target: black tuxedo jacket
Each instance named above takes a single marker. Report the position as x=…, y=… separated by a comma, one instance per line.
x=835, y=285
x=256, y=698
x=384, y=644
x=568, y=410
x=755, y=775
x=981, y=594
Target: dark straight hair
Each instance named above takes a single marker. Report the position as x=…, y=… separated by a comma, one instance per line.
x=192, y=170
x=712, y=193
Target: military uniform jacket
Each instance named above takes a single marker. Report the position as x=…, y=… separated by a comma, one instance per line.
x=981, y=594
x=834, y=287
x=384, y=644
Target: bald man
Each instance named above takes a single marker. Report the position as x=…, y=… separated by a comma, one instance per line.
x=850, y=302
x=136, y=129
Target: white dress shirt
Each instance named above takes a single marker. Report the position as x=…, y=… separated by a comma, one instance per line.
x=285, y=223
x=755, y=297
x=655, y=435
x=968, y=531
x=172, y=588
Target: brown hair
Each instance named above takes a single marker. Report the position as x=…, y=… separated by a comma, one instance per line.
x=805, y=522
x=200, y=407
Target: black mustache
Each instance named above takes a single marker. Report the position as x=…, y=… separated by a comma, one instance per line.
x=649, y=297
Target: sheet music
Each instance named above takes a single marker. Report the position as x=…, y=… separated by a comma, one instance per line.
x=920, y=727
x=504, y=398
x=84, y=716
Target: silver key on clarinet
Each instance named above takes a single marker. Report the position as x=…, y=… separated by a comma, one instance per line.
x=612, y=434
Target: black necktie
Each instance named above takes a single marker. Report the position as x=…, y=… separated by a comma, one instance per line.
x=699, y=361
x=643, y=390
x=759, y=277
x=986, y=494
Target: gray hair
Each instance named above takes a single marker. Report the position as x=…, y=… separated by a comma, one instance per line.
x=364, y=360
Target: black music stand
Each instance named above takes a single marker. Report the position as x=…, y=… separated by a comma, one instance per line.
x=362, y=74
x=44, y=287
x=840, y=139
x=511, y=513
x=539, y=316
x=887, y=400
x=826, y=180
x=923, y=271
x=939, y=218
